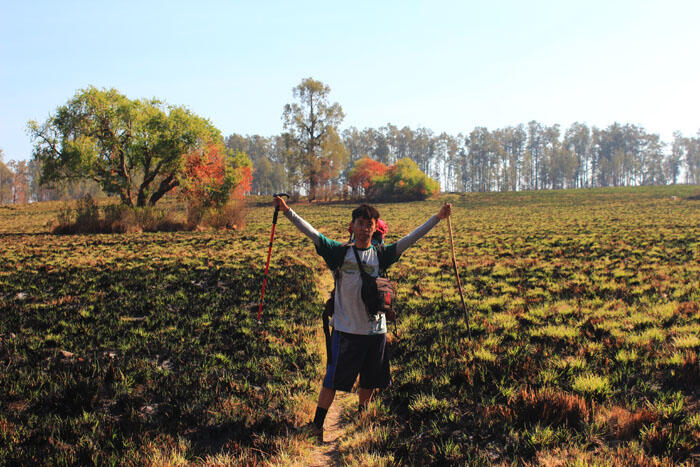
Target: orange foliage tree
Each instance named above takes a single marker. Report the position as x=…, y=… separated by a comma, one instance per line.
x=363, y=171
x=210, y=177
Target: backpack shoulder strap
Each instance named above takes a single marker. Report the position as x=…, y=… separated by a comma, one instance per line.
x=341, y=257
x=381, y=256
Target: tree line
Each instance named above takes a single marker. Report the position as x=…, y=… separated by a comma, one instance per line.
x=312, y=154
x=19, y=183
x=136, y=150
x=522, y=157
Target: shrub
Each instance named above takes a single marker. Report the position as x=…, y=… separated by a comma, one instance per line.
x=87, y=219
x=213, y=187
x=404, y=181
x=117, y=218
x=230, y=215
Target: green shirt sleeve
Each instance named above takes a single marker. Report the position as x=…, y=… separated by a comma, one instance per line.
x=331, y=251
x=390, y=256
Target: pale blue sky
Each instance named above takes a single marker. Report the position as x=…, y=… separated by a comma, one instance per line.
x=448, y=66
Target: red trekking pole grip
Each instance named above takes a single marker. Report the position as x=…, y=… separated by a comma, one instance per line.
x=277, y=210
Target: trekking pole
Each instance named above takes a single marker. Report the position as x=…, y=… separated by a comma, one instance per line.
x=459, y=282
x=269, y=252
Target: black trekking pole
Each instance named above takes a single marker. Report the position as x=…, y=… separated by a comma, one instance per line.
x=269, y=252
x=459, y=282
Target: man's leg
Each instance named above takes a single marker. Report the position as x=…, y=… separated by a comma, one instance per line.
x=325, y=398
x=375, y=372
x=364, y=397
x=348, y=352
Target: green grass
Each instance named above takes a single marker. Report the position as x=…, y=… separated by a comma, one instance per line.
x=142, y=348
x=111, y=344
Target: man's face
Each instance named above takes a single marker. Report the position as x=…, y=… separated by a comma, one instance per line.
x=364, y=228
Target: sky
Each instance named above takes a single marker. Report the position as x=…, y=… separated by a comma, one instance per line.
x=445, y=65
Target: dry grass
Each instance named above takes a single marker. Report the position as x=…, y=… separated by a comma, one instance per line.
x=548, y=407
x=623, y=424
x=165, y=452
x=89, y=218
x=622, y=456
x=229, y=216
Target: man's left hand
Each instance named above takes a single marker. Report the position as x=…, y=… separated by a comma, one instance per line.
x=445, y=211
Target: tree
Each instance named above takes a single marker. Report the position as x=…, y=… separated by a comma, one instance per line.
x=577, y=139
x=692, y=159
x=269, y=178
x=535, y=148
x=480, y=145
x=653, y=172
x=209, y=177
x=132, y=148
x=333, y=161
x=20, y=181
x=310, y=122
x=268, y=163
x=6, y=177
x=675, y=159
x=37, y=192
x=447, y=150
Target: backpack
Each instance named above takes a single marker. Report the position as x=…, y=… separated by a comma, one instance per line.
x=377, y=292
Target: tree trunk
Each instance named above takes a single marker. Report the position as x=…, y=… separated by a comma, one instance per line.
x=313, y=185
x=125, y=196
x=165, y=186
x=141, y=198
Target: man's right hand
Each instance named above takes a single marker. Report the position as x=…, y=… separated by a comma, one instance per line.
x=278, y=202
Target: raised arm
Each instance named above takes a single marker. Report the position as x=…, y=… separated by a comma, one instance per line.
x=306, y=228
x=407, y=241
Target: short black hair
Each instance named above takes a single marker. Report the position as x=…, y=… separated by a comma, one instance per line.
x=365, y=211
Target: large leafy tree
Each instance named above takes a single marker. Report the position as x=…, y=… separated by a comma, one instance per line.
x=312, y=124
x=132, y=148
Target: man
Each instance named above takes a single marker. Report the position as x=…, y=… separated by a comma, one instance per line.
x=358, y=341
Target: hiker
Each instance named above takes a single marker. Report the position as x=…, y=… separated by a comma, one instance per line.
x=358, y=341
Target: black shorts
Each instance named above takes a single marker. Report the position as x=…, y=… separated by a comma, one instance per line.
x=353, y=354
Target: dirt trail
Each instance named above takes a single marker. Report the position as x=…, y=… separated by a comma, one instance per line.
x=333, y=430
x=327, y=454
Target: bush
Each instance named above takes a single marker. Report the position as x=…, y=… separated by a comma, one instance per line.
x=230, y=215
x=124, y=219
x=117, y=218
x=87, y=219
x=403, y=181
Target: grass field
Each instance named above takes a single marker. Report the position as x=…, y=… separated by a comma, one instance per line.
x=141, y=348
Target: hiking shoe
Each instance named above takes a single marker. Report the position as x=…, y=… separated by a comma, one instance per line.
x=314, y=432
